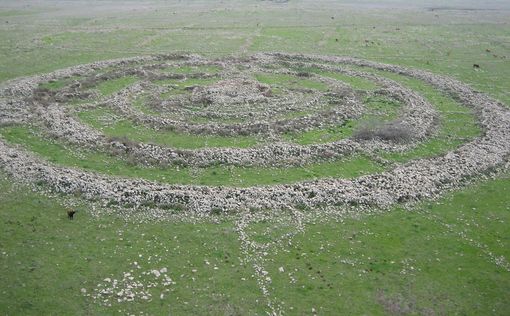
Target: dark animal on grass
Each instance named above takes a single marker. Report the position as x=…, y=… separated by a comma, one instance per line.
x=476, y=66
x=70, y=214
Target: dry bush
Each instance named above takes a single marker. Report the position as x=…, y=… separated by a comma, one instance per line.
x=128, y=144
x=42, y=96
x=304, y=74
x=391, y=131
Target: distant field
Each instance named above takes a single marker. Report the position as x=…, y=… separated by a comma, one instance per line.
x=435, y=257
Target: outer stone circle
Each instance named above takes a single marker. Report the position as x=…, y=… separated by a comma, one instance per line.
x=419, y=179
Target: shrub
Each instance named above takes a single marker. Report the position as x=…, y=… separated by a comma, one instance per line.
x=304, y=74
x=392, y=131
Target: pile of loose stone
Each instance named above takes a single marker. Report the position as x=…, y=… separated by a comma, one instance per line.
x=135, y=285
x=424, y=178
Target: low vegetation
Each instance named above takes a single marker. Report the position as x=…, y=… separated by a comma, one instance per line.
x=373, y=253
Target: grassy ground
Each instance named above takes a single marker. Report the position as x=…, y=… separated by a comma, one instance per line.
x=433, y=259
x=421, y=260
x=410, y=262
x=46, y=260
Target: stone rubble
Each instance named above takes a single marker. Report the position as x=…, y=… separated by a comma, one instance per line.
x=419, y=179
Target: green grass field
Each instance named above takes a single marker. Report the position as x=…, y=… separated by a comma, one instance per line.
x=443, y=257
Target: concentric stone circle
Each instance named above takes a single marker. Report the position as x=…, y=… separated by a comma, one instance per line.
x=262, y=109
x=418, y=117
